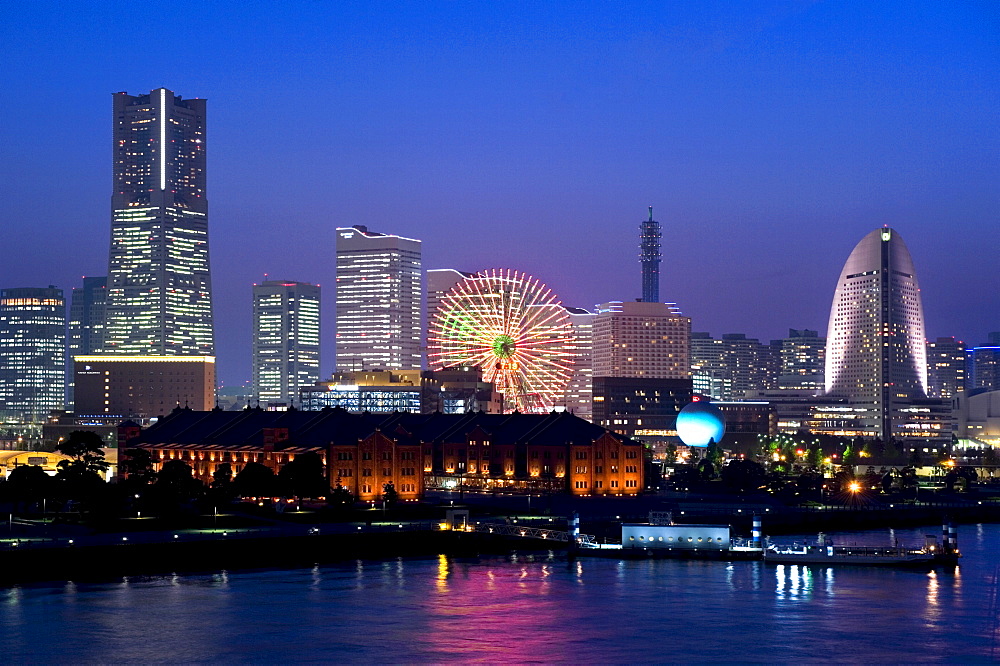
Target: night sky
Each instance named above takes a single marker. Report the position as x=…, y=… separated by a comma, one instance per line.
x=769, y=137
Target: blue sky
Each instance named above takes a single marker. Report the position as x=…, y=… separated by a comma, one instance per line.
x=769, y=137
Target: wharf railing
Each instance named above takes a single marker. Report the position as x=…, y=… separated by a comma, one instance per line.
x=505, y=529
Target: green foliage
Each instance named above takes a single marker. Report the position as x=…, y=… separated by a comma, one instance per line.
x=671, y=455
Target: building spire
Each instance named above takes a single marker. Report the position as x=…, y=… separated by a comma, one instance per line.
x=649, y=257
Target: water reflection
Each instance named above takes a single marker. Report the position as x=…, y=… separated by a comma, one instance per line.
x=932, y=611
x=443, y=570
x=793, y=581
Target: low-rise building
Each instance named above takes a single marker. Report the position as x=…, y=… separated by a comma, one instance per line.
x=556, y=452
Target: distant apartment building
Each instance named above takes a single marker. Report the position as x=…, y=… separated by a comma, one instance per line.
x=379, y=296
x=286, y=340
x=32, y=352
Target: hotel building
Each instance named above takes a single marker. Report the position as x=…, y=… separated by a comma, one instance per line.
x=379, y=301
x=876, y=355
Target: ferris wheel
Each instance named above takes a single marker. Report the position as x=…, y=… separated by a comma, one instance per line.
x=512, y=327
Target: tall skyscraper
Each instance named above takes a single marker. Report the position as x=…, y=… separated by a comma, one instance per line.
x=32, y=352
x=649, y=257
x=945, y=367
x=286, y=334
x=875, y=350
x=379, y=301
x=578, y=398
x=159, y=289
x=633, y=339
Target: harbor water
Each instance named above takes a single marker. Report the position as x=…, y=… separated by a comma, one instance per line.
x=526, y=608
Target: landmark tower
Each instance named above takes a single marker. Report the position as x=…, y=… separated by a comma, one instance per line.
x=159, y=290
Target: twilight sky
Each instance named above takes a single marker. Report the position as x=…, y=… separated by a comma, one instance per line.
x=768, y=136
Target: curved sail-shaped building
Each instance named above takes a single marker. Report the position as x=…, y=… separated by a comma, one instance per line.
x=875, y=349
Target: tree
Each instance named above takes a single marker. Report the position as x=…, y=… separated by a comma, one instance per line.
x=743, y=475
x=222, y=477
x=389, y=494
x=713, y=453
x=80, y=478
x=86, y=450
x=28, y=484
x=137, y=466
x=255, y=480
x=304, y=476
x=340, y=497
x=671, y=456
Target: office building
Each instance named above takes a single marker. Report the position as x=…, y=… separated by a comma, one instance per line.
x=379, y=301
x=945, y=368
x=876, y=353
x=983, y=368
x=159, y=299
x=286, y=335
x=649, y=257
x=578, y=397
x=637, y=339
x=112, y=387
x=439, y=282
x=32, y=352
x=641, y=408
x=458, y=390
x=87, y=317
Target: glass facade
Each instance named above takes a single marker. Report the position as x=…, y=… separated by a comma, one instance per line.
x=159, y=289
x=32, y=352
x=876, y=351
x=379, y=301
x=286, y=327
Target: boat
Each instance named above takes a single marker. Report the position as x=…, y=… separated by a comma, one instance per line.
x=825, y=553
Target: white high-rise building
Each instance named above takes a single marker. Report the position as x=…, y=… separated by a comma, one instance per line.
x=578, y=398
x=286, y=335
x=634, y=339
x=875, y=350
x=379, y=301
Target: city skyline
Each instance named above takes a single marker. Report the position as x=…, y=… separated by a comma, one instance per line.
x=767, y=139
